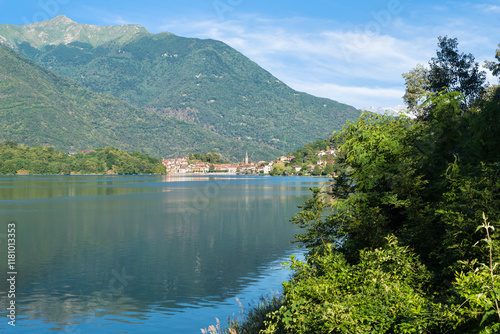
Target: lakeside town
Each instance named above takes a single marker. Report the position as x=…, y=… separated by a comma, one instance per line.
x=187, y=164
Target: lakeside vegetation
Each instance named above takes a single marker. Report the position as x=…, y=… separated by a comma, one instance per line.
x=411, y=243
x=37, y=160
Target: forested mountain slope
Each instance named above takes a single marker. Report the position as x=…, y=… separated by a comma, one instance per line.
x=203, y=82
x=38, y=107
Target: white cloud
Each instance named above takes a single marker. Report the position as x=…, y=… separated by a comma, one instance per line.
x=104, y=16
x=116, y=20
x=361, y=67
x=357, y=96
x=487, y=8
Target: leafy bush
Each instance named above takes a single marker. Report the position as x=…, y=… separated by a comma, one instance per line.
x=385, y=292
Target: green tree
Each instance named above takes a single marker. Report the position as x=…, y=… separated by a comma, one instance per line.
x=10, y=144
x=416, y=82
x=41, y=160
x=492, y=66
x=454, y=71
x=317, y=171
x=211, y=157
x=288, y=170
x=195, y=156
x=9, y=168
x=278, y=169
x=449, y=71
x=328, y=170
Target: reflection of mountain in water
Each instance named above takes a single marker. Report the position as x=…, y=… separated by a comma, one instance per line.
x=124, y=244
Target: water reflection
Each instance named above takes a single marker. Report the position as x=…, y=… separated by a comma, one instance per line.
x=111, y=249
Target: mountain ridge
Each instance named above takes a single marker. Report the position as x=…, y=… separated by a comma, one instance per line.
x=38, y=107
x=63, y=30
x=202, y=82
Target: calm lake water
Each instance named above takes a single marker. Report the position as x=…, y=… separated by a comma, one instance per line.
x=143, y=254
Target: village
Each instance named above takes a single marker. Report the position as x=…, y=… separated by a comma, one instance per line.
x=185, y=165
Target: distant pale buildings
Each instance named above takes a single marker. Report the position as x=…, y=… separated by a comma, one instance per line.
x=286, y=158
x=184, y=165
x=178, y=165
x=327, y=152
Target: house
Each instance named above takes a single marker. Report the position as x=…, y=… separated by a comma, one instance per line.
x=199, y=167
x=87, y=151
x=173, y=165
x=263, y=169
x=327, y=152
x=247, y=169
x=225, y=168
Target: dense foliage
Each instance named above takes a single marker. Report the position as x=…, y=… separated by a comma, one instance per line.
x=308, y=153
x=410, y=243
x=38, y=160
x=412, y=196
x=494, y=67
x=209, y=157
x=449, y=71
x=454, y=71
x=404, y=225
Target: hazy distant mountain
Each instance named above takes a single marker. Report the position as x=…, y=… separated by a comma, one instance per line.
x=388, y=110
x=205, y=83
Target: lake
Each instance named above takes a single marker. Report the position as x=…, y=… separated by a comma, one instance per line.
x=149, y=254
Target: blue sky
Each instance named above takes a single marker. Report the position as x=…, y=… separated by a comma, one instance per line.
x=353, y=52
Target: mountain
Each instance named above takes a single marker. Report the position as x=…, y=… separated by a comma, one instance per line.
x=204, y=83
x=38, y=107
x=389, y=110
x=62, y=30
